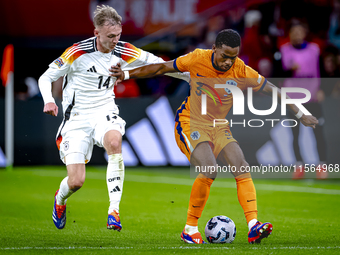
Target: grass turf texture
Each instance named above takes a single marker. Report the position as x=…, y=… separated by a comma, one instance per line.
x=153, y=214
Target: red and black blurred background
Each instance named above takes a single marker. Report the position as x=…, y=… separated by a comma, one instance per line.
x=41, y=30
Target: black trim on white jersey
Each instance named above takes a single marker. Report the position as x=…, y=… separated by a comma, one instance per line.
x=117, y=53
x=67, y=114
x=69, y=108
x=121, y=49
x=65, y=82
x=87, y=46
x=86, y=43
x=95, y=44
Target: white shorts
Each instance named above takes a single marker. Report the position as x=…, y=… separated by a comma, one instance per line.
x=82, y=131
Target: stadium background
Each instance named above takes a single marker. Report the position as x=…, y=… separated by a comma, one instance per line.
x=41, y=30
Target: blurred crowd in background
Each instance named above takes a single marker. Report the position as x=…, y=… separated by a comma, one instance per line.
x=266, y=28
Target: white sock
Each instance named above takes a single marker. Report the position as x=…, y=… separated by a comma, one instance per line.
x=64, y=192
x=190, y=229
x=252, y=223
x=115, y=179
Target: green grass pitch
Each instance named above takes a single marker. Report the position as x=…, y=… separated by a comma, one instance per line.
x=305, y=214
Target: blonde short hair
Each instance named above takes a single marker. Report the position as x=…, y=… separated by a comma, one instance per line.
x=106, y=15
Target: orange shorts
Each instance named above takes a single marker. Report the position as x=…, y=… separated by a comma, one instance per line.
x=189, y=136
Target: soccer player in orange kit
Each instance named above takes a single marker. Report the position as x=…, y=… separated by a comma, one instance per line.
x=205, y=144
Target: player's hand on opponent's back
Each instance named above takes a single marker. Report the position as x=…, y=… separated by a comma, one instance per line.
x=116, y=71
x=51, y=109
x=309, y=120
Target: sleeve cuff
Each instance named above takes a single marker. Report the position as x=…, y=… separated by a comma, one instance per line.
x=175, y=66
x=264, y=84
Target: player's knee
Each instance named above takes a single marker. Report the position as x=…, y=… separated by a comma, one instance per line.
x=75, y=163
x=114, y=145
x=76, y=183
x=242, y=168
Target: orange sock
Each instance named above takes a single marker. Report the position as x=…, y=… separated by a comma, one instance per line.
x=247, y=195
x=198, y=197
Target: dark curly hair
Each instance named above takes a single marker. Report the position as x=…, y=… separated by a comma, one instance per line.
x=229, y=38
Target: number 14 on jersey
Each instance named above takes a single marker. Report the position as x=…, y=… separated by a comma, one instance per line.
x=106, y=83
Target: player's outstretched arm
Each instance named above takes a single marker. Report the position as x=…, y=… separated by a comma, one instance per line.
x=307, y=120
x=143, y=72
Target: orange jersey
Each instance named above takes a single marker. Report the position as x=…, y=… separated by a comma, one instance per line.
x=204, y=75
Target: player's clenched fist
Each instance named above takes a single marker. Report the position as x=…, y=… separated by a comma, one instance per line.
x=51, y=109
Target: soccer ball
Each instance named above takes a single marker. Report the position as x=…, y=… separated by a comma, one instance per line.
x=220, y=229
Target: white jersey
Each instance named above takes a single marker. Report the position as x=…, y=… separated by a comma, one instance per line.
x=87, y=83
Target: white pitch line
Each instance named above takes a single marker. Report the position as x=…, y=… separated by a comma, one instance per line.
x=210, y=247
x=230, y=185
x=217, y=183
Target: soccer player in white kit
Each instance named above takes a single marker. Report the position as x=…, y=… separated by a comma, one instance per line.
x=91, y=116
